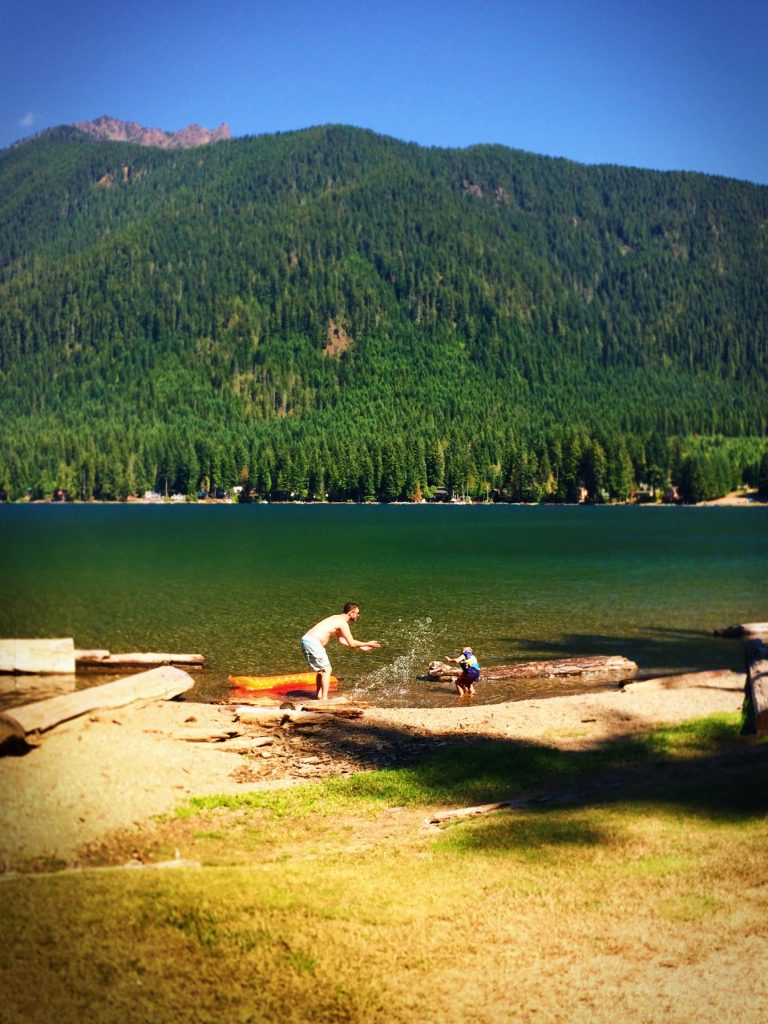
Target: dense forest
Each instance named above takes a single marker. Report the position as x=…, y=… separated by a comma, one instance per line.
x=331, y=313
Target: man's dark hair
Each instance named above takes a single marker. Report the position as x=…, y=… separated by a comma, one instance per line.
x=349, y=606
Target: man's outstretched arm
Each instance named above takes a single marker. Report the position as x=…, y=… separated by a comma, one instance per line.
x=347, y=640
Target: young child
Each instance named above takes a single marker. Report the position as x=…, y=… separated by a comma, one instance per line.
x=470, y=672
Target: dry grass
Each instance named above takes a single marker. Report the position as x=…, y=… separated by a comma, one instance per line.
x=642, y=902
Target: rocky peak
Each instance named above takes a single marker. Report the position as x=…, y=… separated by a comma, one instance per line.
x=110, y=129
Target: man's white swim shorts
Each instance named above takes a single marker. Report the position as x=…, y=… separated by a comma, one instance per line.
x=315, y=653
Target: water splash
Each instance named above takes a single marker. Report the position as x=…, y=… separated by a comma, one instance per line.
x=418, y=641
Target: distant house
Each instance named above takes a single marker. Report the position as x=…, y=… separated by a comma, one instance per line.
x=441, y=494
x=644, y=494
x=671, y=496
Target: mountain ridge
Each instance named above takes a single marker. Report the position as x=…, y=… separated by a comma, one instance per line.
x=112, y=129
x=462, y=314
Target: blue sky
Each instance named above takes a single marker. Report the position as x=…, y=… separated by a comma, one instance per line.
x=663, y=84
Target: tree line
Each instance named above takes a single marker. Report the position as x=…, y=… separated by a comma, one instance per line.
x=567, y=465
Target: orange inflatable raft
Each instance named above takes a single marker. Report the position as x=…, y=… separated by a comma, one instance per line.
x=280, y=684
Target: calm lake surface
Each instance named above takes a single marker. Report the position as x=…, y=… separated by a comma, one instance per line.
x=240, y=584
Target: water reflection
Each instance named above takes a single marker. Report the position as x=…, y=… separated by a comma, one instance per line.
x=16, y=690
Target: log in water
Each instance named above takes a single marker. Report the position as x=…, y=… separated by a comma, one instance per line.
x=105, y=661
x=612, y=666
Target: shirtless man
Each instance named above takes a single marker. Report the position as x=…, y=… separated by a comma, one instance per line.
x=314, y=642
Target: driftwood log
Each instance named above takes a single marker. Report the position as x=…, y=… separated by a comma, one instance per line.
x=274, y=716
x=59, y=656
x=256, y=702
x=467, y=812
x=203, y=735
x=613, y=667
x=745, y=629
x=241, y=744
x=296, y=714
x=55, y=656
x=334, y=711
x=756, y=690
x=104, y=661
x=31, y=719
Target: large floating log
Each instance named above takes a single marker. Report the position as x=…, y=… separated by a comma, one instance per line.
x=156, y=684
x=104, y=661
x=38, y=656
x=756, y=690
x=745, y=629
x=613, y=667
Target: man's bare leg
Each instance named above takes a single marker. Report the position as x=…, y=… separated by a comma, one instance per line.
x=323, y=684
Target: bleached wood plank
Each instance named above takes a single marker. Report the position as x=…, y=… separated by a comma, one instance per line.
x=37, y=655
x=105, y=660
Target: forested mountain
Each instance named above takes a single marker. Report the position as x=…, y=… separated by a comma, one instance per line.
x=331, y=311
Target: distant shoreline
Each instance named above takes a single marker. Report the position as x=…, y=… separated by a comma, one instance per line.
x=715, y=503
x=736, y=499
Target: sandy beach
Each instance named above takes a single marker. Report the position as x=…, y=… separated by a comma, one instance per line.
x=112, y=771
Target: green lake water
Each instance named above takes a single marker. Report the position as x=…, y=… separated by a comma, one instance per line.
x=240, y=584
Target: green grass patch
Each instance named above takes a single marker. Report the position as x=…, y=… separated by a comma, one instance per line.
x=704, y=735
x=481, y=772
